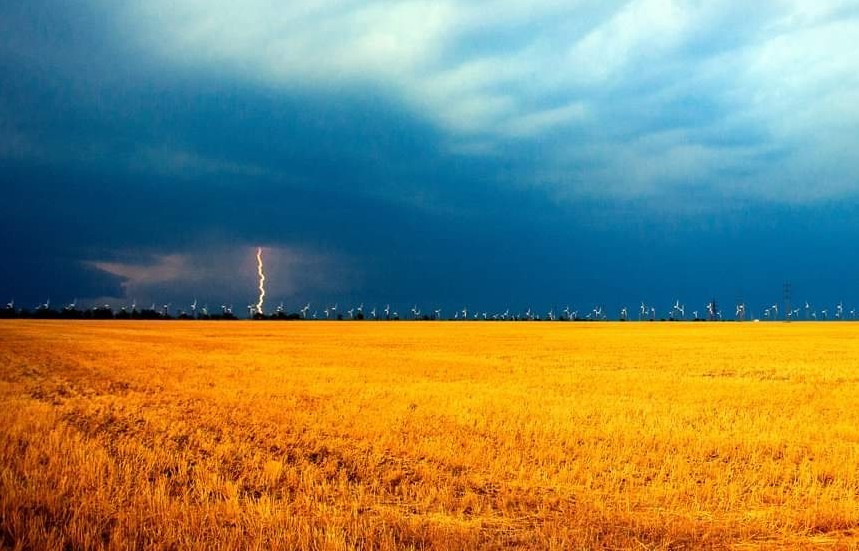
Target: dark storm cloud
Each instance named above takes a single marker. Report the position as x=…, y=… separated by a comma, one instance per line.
x=426, y=152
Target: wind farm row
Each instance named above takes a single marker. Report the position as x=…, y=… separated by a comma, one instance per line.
x=645, y=312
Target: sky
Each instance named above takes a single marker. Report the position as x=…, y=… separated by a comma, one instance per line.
x=503, y=154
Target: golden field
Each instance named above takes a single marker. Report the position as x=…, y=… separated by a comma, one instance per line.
x=371, y=435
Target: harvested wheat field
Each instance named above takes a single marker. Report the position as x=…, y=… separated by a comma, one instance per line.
x=314, y=435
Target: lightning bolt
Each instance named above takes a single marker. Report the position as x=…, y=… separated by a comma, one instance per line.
x=261, y=281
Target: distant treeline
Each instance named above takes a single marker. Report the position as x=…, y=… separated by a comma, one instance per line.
x=108, y=314
x=105, y=313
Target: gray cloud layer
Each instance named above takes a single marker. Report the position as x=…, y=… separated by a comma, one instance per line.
x=645, y=97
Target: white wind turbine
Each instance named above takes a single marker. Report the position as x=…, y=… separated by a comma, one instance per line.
x=677, y=308
x=642, y=313
x=373, y=312
x=839, y=311
x=304, y=310
x=387, y=311
x=437, y=313
x=351, y=312
x=624, y=314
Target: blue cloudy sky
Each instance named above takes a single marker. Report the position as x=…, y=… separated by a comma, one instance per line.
x=496, y=154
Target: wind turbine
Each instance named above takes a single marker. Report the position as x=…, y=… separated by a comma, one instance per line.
x=437, y=313
x=351, y=312
x=642, y=313
x=678, y=308
x=304, y=310
x=465, y=313
x=624, y=314
x=10, y=305
x=373, y=312
x=839, y=310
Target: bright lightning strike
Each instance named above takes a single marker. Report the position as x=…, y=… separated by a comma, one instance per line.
x=261, y=281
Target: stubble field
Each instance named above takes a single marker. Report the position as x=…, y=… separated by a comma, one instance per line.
x=372, y=435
